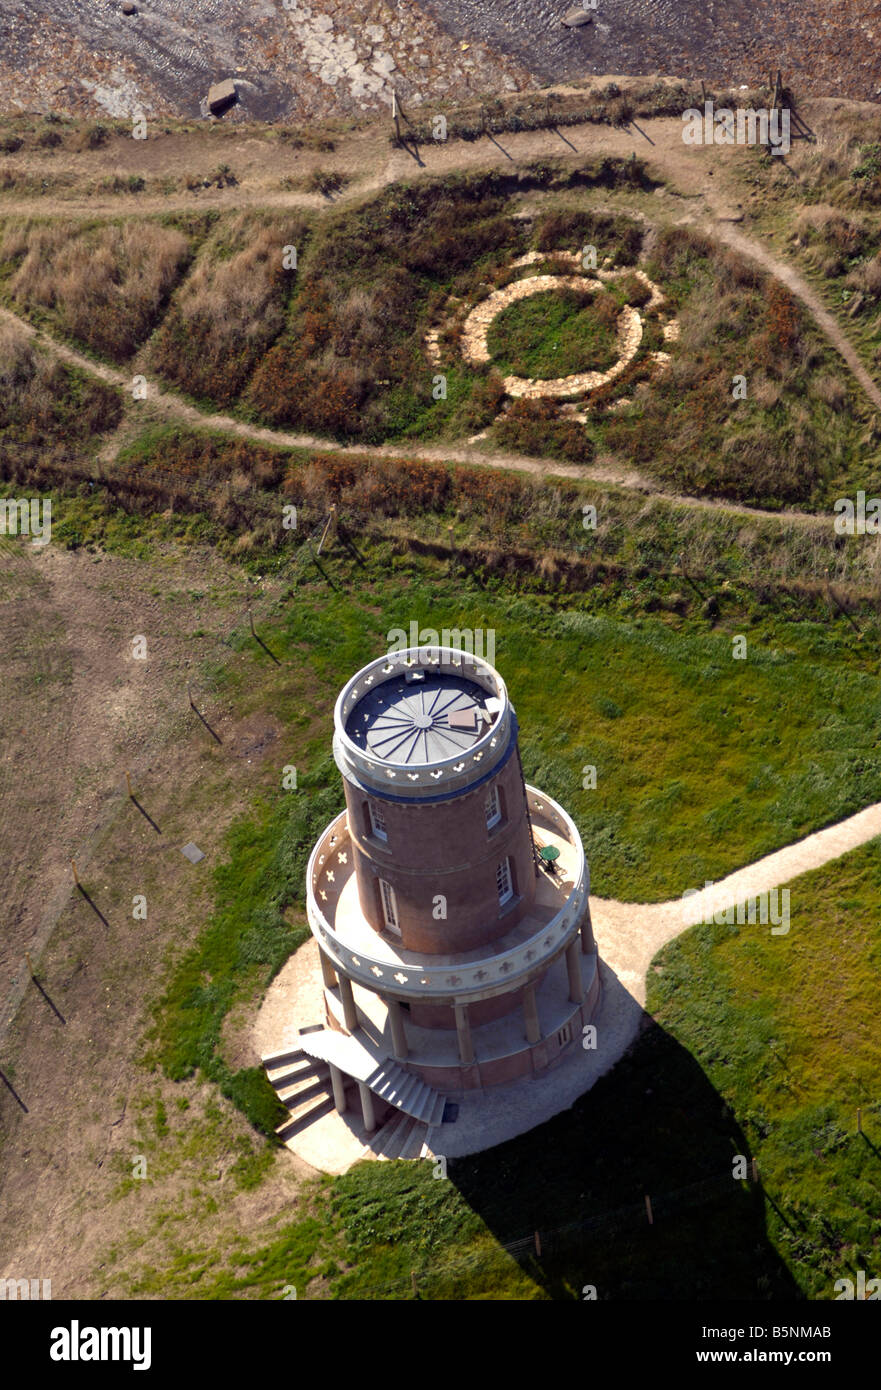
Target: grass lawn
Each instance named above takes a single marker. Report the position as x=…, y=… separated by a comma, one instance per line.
x=556, y=333
x=763, y=1046
x=704, y=763
x=786, y=1030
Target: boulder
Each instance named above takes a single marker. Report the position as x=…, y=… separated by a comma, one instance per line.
x=575, y=18
x=221, y=95
x=129, y=8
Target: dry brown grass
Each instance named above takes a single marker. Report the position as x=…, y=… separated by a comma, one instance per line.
x=231, y=308
x=830, y=389
x=830, y=160
x=104, y=286
x=25, y=378
x=867, y=278
x=43, y=402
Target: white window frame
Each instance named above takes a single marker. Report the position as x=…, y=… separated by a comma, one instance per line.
x=504, y=881
x=377, y=820
x=493, y=807
x=389, y=906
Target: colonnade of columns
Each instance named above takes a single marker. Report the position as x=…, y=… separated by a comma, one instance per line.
x=529, y=1005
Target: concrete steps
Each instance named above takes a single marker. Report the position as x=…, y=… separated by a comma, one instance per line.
x=303, y=1115
x=302, y=1084
x=304, y=1088
x=301, y=1080
x=400, y=1137
x=295, y=1073
x=386, y=1078
x=407, y=1093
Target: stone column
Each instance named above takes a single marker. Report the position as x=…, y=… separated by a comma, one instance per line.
x=367, y=1107
x=463, y=1031
x=587, y=938
x=399, y=1032
x=573, y=965
x=350, y=1013
x=339, y=1088
x=327, y=971
x=530, y=1015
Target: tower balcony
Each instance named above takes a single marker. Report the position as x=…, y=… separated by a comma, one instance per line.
x=378, y=962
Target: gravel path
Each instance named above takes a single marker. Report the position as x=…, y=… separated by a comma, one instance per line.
x=629, y=936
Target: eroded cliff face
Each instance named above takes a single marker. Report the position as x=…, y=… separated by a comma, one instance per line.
x=292, y=61
x=823, y=47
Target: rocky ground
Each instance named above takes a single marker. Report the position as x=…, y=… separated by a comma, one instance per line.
x=822, y=49
x=289, y=61
x=293, y=60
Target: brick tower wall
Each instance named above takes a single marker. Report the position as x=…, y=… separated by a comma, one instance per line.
x=444, y=848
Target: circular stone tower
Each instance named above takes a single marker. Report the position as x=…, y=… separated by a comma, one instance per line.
x=453, y=897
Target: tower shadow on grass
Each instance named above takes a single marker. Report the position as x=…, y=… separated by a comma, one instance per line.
x=654, y=1126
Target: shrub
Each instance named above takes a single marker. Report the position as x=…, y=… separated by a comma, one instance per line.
x=613, y=235
x=869, y=166
x=867, y=278
x=223, y=177
x=535, y=427
x=326, y=181
x=90, y=137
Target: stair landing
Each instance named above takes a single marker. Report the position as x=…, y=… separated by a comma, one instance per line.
x=301, y=1078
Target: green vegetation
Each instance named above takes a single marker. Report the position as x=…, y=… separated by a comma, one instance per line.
x=787, y=1033
x=336, y=343
x=869, y=166
x=242, y=947
x=704, y=763
x=792, y=439
x=640, y=556
x=555, y=334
